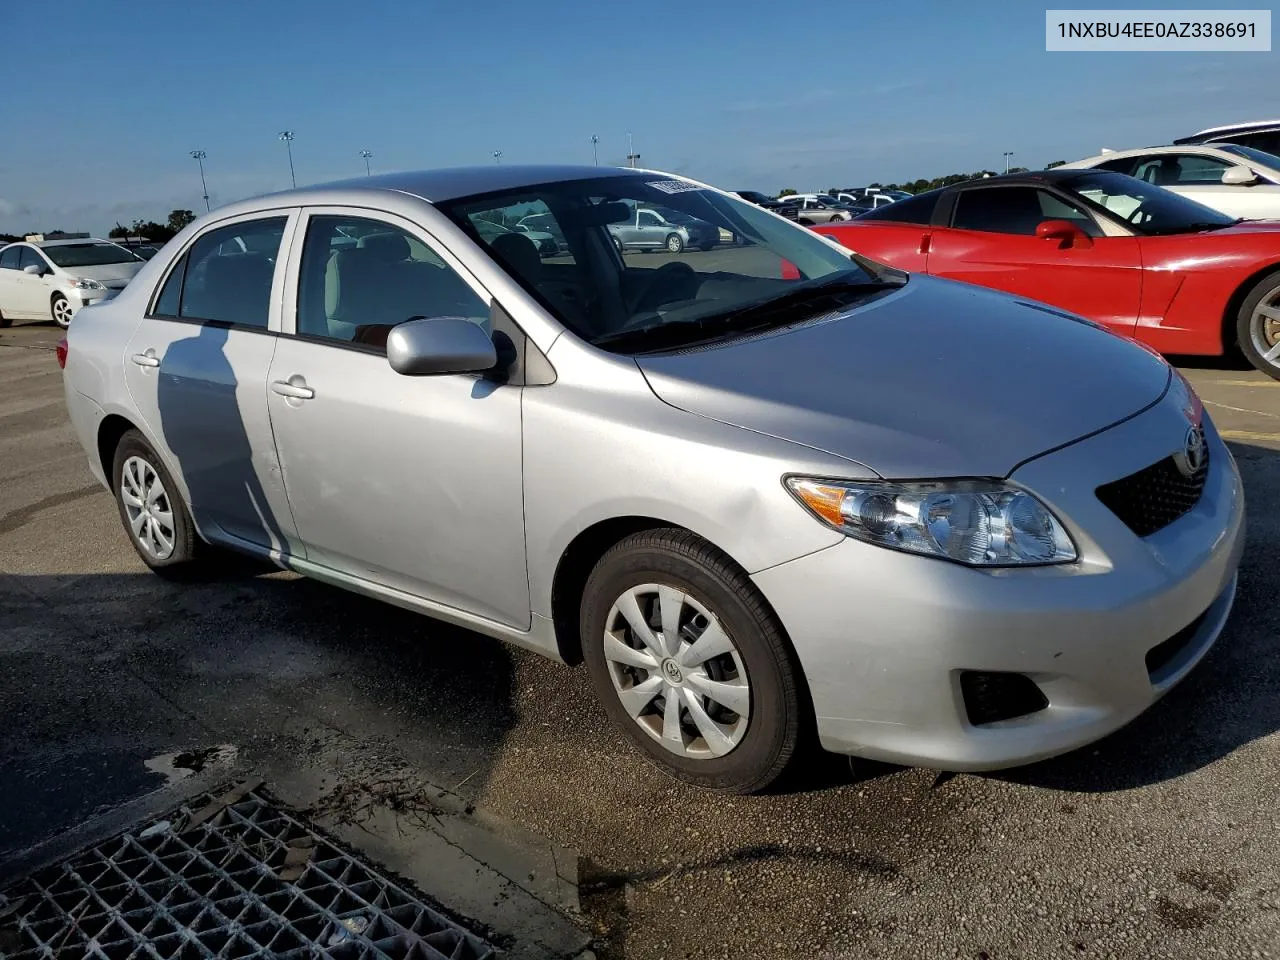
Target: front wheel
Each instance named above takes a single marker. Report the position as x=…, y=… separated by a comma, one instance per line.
x=690, y=662
x=675, y=243
x=61, y=308
x=1258, y=325
x=152, y=510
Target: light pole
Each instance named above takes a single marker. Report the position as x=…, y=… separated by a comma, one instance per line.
x=632, y=156
x=366, y=155
x=595, y=154
x=287, y=137
x=1007, y=155
x=497, y=156
x=199, y=157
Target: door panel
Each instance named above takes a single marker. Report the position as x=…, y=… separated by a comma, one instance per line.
x=1101, y=281
x=205, y=401
x=414, y=482
x=33, y=294
x=197, y=375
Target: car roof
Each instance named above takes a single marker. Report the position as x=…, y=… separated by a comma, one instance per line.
x=71, y=242
x=451, y=183
x=1216, y=147
x=1248, y=125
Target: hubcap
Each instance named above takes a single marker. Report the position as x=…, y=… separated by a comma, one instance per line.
x=676, y=671
x=147, y=507
x=1265, y=328
x=62, y=311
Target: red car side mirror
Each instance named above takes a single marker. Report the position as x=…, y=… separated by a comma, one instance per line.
x=1064, y=231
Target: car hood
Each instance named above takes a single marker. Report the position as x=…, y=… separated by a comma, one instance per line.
x=1271, y=227
x=106, y=272
x=938, y=379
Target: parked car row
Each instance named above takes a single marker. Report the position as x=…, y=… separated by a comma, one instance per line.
x=735, y=488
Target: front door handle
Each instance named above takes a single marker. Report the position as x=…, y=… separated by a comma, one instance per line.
x=148, y=359
x=295, y=388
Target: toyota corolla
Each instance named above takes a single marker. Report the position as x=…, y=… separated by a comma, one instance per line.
x=787, y=494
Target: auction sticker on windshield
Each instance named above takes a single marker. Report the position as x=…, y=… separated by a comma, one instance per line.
x=673, y=186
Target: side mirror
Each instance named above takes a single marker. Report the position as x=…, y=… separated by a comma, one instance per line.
x=1239, y=176
x=437, y=345
x=1064, y=231
x=34, y=269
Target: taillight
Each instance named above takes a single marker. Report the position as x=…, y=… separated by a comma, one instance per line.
x=62, y=353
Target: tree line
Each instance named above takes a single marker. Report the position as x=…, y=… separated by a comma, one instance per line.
x=146, y=229
x=921, y=185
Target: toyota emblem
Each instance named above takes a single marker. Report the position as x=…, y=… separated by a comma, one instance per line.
x=1191, y=459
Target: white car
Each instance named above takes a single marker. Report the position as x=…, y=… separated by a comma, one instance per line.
x=1235, y=180
x=53, y=279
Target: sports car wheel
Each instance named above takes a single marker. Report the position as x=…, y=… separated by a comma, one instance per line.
x=1258, y=325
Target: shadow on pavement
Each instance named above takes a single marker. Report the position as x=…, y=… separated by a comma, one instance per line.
x=101, y=673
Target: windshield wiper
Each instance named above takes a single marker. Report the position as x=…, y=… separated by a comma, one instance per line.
x=751, y=316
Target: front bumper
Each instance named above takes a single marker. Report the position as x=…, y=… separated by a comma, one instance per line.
x=883, y=637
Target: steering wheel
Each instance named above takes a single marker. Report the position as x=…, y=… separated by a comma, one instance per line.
x=671, y=281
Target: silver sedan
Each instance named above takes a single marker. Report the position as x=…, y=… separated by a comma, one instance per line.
x=791, y=495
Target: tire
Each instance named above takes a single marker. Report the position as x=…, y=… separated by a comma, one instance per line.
x=617, y=244
x=1256, y=331
x=804, y=221
x=4, y=321
x=706, y=246
x=60, y=308
x=188, y=551
x=675, y=243
x=757, y=670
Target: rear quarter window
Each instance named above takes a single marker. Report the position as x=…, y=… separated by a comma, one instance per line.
x=916, y=210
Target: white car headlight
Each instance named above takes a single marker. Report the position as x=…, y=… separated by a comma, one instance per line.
x=84, y=283
x=980, y=523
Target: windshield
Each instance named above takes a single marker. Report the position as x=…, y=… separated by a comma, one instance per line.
x=614, y=275
x=1257, y=156
x=1145, y=207
x=88, y=254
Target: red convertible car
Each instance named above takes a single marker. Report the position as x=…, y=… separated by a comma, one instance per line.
x=1145, y=262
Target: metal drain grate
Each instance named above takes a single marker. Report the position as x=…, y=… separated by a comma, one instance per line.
x=216, y=890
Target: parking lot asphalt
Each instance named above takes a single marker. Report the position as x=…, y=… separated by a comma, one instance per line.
x=1160, y=841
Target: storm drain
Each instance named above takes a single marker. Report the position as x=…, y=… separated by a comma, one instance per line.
x=224, y=879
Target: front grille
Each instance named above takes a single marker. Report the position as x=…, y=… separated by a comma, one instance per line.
x=1163, y=654
x=990, y=697
x=1155, y=496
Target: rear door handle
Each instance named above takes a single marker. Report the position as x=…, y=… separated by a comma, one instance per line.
x=295, y=388
x=148, y=359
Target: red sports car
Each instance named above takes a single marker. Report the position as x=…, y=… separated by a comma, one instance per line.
x=1148, y=263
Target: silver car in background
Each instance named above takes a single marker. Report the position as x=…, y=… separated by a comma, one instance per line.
x=797, y=496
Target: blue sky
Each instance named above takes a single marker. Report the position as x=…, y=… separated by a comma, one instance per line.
x=102, y=108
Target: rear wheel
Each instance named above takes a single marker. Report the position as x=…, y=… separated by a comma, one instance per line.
x=61, y=309
x=1258, y=325
x=675, y=243
x=152, y=511
x=690, y=662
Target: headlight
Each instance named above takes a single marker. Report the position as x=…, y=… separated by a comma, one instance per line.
x=975, y=522
x=84, y=283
